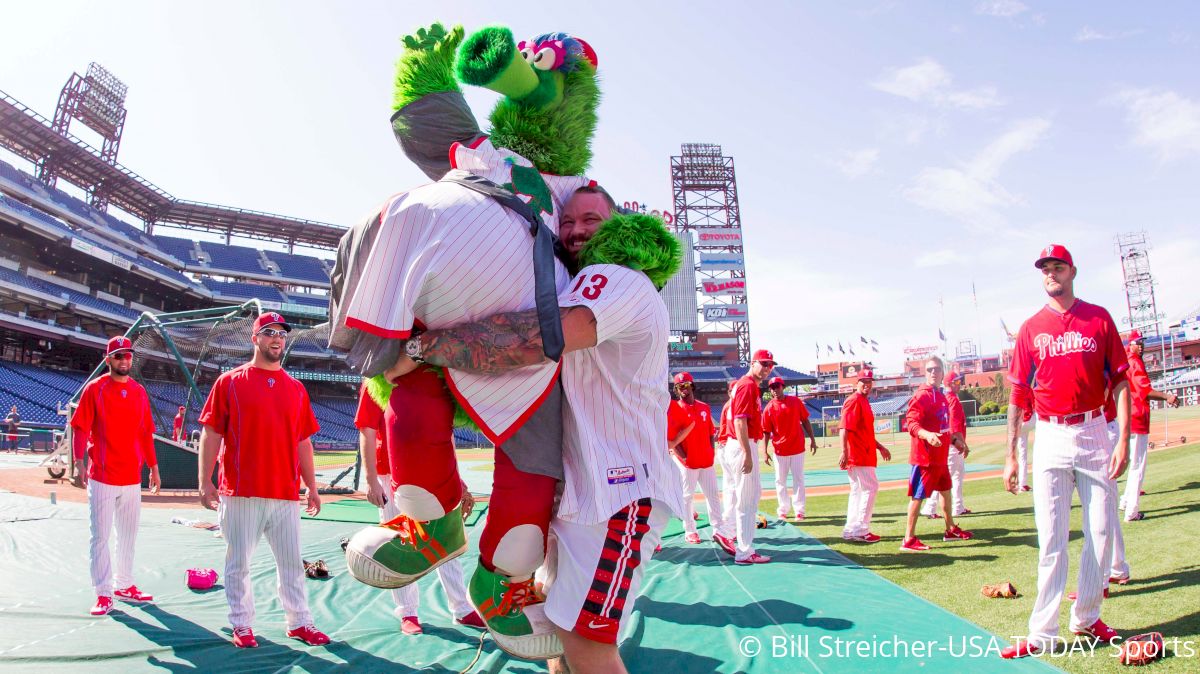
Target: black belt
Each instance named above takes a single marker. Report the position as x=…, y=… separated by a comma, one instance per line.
x=545, y=247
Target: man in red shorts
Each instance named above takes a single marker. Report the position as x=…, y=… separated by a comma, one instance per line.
x=928, y=421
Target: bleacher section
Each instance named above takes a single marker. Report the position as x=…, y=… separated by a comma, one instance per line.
x=68, y=294
x=239, y=261
x=243, y=291
x=309, y=300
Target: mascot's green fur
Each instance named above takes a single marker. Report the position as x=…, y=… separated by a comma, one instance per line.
x=547, y=115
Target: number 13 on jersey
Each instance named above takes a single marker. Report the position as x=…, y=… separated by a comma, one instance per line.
x=596, y=283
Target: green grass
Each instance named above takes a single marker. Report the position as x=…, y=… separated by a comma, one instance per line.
x=1163, y=551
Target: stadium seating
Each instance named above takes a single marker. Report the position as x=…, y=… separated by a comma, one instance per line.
x=309, y=300
x=183, y=250
x=68, y=294
x=299, y=266
x=243, y=291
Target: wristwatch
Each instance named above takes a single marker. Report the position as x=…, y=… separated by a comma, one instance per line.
x=412, y=348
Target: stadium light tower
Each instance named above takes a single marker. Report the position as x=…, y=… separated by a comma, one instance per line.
x=96, y=99
x=705, y=194
x=1134, y=250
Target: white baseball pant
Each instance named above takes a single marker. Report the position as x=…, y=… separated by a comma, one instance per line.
x=1023, y=452
x=408, y=598
x=706, y=479
x=741, y=494
x=790, y=465
x=244, y=521
x=957, y=465
x=1139, y=444
x=109, y=505
x=861, y=505
x=1066, y=458
x=1120, y=565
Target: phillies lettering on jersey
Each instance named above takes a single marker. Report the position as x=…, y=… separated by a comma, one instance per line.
x=446, y=255
x=1067, y=358
x=616, y=404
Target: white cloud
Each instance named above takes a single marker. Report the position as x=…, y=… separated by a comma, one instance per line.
x=927, y=81
x=1163, y=121
x=971, y=193
x=857, y=163
x=1089, y=34
x=938, y=258
x=1002, y=8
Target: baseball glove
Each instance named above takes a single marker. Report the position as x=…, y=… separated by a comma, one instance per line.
x=1142, y=649
x=999, y=590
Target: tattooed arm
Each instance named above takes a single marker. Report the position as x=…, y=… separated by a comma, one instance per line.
x=498, y=343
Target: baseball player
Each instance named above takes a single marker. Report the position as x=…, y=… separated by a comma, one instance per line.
x=956, y=457
x=690, y=440
x=858, y=459
x=177, y=426
x=1028, y=423
x=739, y=460
x=260, y=420
x=1140, y=395
x=928, y=422
x=620, y=489
x=785, y=423
x=1069, y=351
x=372, y=442
x=12, y=423
x=114, y=427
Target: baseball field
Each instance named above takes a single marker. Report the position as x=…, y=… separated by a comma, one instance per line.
x=1163, y=595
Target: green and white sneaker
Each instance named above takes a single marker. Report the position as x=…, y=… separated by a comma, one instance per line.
x=402, y=550
x=515, y=615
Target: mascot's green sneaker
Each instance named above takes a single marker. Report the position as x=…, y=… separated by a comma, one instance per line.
x=515, y=615
x=402, y=550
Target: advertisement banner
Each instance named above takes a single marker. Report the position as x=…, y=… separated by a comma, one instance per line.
x=722, y=262
x=718, y=237
x=727, y=313
x=724, y=286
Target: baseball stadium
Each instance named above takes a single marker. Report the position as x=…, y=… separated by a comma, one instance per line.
x=99, y=261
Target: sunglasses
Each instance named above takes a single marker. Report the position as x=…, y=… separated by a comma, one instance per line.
x=933, y=369
x=272, y=332
x=767, y=363
x=124, y=355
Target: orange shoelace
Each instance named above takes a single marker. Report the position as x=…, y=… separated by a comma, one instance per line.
x=519, y=595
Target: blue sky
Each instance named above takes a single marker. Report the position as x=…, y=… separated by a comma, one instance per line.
x=887, y=153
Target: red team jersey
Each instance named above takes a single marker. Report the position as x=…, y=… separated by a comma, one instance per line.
x=958, y=417
x=121, y=427
x=859, y=422
x=177, y=427
x=726, y=424
x=262, y=416
x=370, y=415
x=747, y=404
x=783, y=418
x=1139, y=395
x=1066, y=356
x=930, y=411
x=698, y=443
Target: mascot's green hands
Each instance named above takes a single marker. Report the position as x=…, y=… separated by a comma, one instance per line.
x=427, y=64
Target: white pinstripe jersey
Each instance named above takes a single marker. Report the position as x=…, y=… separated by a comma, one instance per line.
x=616, y=393
x=447, y=255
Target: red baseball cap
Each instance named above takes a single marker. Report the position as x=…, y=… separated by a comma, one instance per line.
x=867, y=374
x=270, y=318
x=1135, y=336
x=1055, y=251
x=953, y=376
x=683, y=378
x=763, y=354
x=118, y=344
x=775, y=381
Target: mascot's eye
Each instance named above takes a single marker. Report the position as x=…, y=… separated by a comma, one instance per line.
x=526, y=50
x=548, y=57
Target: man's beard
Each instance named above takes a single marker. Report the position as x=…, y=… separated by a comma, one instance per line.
x=1056, y=292
x=265, y=352
x=123, y=367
